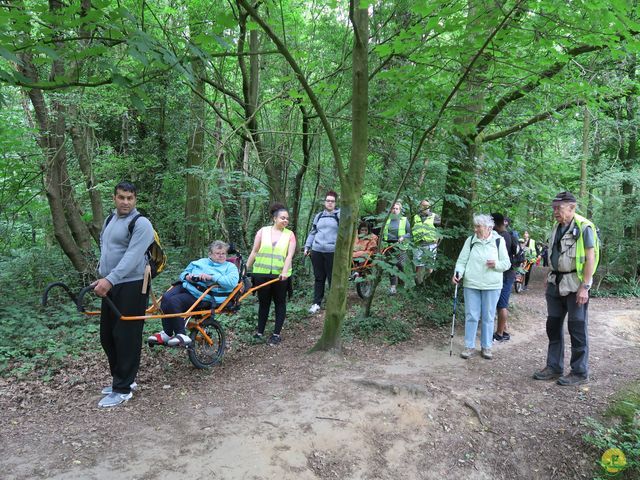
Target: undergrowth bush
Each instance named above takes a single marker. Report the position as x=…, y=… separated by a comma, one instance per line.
x=621, y=432
x=33, y=337
x=620, y=286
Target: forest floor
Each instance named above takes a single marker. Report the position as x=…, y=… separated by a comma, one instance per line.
x=408, y=411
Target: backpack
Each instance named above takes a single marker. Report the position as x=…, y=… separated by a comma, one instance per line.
x=156, y=258
x=517, y=254
x=333, y=215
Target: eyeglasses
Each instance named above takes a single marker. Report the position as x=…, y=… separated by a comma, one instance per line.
x=219, y=254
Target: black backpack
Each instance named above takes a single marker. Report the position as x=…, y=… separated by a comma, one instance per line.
x=516, y=254
x=155, y=255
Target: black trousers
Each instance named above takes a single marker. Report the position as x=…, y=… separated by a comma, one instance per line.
x=322, y=268
x=122, y=339
x=276, y=292
x=177, y=300
x=559, y=307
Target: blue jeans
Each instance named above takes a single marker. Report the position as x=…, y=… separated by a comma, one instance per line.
x=479, y=305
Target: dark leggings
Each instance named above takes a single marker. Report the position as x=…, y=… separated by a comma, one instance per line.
x=527, y=275
x=277, y=292
x=178, y=300
x=122, y=339
x=322, y=268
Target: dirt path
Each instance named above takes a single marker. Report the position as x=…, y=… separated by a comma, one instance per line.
x=405, y=412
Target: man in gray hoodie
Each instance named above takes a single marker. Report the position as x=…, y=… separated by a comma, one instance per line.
x=321, y=245
x=122, y=270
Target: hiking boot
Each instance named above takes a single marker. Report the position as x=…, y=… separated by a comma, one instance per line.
x=314, y=308
x=573, y=379
x=393, y=290
x=114, y=399
x=547, y=373
x=109, y=389
x=497, y=337
x=258, y=336
x=179, y=340
x=506, y=336
x=159, y=338
x=486, y=353
x=468, y=353
x=274, y=339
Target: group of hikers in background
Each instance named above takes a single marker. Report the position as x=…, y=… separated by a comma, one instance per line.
x=487, y=267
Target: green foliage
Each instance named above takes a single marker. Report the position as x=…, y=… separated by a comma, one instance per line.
x=623, y=433
x=621, y=286
x=35, y=338
x=384, y=325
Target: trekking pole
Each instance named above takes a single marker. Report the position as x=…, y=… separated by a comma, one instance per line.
x=453, y=321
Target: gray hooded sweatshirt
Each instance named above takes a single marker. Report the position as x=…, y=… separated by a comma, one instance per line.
x=122, y=256
x=324, y=232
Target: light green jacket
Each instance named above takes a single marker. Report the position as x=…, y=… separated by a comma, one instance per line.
x=472, y=262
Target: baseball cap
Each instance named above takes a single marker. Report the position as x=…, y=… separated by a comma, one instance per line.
x=564, y=197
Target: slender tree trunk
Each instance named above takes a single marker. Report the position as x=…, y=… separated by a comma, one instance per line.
x=81, y=136
x=298, y=182
x=631, y=230
x=196, y=188
x=352, y=187
x=586, y=128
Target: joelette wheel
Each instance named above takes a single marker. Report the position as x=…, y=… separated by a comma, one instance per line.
x=202, y=352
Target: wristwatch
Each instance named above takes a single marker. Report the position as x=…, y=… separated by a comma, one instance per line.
x=586, y=286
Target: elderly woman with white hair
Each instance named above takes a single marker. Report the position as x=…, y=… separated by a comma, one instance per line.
x=480, y=265
x=196, y=278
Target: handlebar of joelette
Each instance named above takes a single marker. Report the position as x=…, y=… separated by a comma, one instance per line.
x=45, y=295
x=109, y=302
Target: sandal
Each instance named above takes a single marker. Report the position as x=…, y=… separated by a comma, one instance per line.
x=179, y=340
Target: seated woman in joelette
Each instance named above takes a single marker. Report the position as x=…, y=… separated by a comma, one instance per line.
x=196, y=278
x=366, y=243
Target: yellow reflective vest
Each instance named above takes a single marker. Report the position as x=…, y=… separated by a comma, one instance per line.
x=580, y=253
x=270, y=258
x=424, y=231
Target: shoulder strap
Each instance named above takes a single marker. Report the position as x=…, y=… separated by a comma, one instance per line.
x=132, y=223
x=109, y=218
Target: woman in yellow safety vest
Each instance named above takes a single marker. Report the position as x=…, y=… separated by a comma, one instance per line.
x=271, y=257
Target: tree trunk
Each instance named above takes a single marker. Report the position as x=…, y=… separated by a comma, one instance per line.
x=586, y=127
x=298, y=182
x=352, y=186
x=82, y=136
x=196, y=188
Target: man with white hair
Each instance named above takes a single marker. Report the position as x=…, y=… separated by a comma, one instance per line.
x=574, y=258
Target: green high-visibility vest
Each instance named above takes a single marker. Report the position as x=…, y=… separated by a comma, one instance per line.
x=270, y=258
x=424, y=231
x=402, y=228
x=580, y=253
x=532, y=254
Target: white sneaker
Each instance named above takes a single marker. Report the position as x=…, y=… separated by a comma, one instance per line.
x=314, y=308
x=392, y=290
x=179, y=340
x=160, y=338
x=109, y=389
x=114, y=399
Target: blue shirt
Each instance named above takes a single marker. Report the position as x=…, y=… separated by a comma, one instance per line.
x=224, y=274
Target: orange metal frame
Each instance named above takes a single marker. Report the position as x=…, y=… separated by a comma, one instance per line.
x=196, y=317
x=366, y=265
